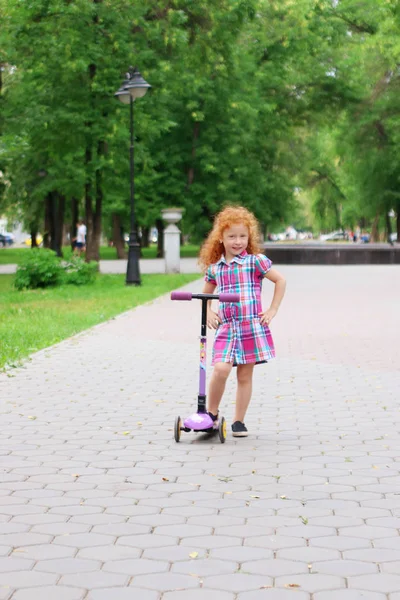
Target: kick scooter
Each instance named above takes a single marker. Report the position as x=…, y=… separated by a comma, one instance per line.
x=201, y=420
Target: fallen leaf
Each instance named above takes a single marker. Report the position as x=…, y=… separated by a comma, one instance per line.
x=254, y=496
x=125, y=432
x=165, y=479
x=75, y=475
x=227, y=492
x=283, y=497
x=31, y=418
x=265, y=587
x=292, y=585
x=193, y=554
x=139, y=423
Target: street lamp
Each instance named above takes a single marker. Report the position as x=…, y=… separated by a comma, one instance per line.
x=134, y=86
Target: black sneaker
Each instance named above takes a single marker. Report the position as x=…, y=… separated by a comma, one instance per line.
x=239, y=429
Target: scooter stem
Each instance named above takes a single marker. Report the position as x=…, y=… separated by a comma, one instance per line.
x=201, y=402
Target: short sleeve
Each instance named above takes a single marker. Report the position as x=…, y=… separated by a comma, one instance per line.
x=210, y=275
x=263, y=264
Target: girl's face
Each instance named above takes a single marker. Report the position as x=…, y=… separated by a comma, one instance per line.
x=235, y=240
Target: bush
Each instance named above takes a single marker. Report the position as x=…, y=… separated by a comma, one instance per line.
x=39, y=268
x=79, y=272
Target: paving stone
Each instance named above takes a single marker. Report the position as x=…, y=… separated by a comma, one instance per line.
x=321, y=449
x=308, y=554
x=147, y=541
x=349, y=595
x=211, y=541
x=122, y=594
x=344, y=568
x=311, y=582
x=14, y=563
x=109, y=553
x=121, y=529
x=84, y=540
x=173, y=553
x=381, y=582
x=275, y=542
x=24, y=579
x=237, y=582
x=274, y=594
x=241, y=554
x=165, y=582
x=204, y=567
x=133, y=567
x=96, y=579
x=63, y=566
x=374, y=555
x=24, y=539
x=204, y=594
x=274, y=567
x=54, y=592
x=183, y=531
x=341, y=542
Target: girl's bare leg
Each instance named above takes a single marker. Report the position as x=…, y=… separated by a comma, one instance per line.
x=217, y=385
x=244, y=389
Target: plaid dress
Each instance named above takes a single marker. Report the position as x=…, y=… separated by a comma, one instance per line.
x=241, y=339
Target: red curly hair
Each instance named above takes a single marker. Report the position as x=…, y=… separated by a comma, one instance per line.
x=212, y=249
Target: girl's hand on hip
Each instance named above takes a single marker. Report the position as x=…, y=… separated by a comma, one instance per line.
x=267, y=316
x=213, y=320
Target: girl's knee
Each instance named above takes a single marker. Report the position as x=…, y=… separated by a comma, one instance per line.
x=222, y=370
x=245, y=373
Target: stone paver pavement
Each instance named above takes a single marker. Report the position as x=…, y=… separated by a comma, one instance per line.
x=98, y=502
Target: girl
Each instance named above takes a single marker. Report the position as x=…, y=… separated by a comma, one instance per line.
x=230, y=257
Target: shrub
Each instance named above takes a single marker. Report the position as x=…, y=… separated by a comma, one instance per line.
x=79, y=272
x=39, y=268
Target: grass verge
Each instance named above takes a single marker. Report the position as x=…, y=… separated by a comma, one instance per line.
x=35, y=319
x=9, y=256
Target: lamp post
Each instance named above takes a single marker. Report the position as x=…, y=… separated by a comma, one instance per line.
x=134, y=86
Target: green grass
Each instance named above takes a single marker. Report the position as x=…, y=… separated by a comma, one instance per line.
x=35, y=319
x=13, y=255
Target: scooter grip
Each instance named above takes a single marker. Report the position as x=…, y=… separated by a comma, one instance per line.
x=181, y=295
x=229, y=297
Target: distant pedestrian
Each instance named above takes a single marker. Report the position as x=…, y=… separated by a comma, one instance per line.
x=232, y=263
x=80, y=239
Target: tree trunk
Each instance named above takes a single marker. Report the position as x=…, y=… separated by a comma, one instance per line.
x=59, y=222
x=47, y=221
x=145, y=237
x=388, y=228
x=160, y=238
x=33, y=232
x=74, y=219
x=375, y=228
x=398, y=224
x=117, y=236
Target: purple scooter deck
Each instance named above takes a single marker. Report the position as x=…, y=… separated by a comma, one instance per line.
x=199, y=422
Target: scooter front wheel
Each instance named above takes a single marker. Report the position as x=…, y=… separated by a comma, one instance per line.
x=222, y=430
x=177, y=429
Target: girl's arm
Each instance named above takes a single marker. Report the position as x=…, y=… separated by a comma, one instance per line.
x=280, y=286
x=213, y=319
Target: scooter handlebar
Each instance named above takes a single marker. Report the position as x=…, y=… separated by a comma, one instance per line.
x=181, y=295
x=220, y=297
x=229, y=297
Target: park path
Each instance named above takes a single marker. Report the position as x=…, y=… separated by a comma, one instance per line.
x=98, y=502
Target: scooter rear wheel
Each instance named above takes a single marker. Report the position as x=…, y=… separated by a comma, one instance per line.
x=177, y=429
x=222, y=430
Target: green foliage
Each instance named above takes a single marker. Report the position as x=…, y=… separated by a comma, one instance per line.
x=40, y=268
x=79, y=272
x=251, y=100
